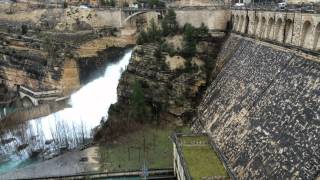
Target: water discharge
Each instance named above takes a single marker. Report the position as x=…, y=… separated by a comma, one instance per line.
x=49, y=136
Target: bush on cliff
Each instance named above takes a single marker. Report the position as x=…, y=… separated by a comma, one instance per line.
x=24, y=29
x=202, y=32
x=142, y=38
x=169, y=23
x=189, y=44
x=153, y=34
x=138, y=107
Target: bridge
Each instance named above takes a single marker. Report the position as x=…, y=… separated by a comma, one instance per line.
x=131, y=13
x=292, y=27
x=37, y=96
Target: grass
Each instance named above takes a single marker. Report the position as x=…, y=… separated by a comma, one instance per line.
x=201, y=159
x=127, y=152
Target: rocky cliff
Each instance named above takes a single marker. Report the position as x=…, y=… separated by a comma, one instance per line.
x=167, y=84
x=24, y=62
x=263, y=111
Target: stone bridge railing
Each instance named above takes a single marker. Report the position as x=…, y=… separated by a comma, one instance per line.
x=289, y=28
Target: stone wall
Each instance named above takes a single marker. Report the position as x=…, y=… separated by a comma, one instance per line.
x=214, y=19
x=291, y=28
x=263, y=111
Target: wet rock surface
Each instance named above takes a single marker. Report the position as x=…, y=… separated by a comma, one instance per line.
x=263, y=112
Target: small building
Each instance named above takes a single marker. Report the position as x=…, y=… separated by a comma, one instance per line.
x=195, y=159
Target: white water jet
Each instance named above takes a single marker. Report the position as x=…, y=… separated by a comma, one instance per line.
x=70, y=125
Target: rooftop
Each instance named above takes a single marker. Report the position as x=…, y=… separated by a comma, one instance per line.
x=200, y=158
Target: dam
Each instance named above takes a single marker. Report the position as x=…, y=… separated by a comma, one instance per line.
x=261, y=110
x=241, y=81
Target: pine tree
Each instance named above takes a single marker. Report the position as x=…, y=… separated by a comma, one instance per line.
x=142, y=38
x=169, y=23
x=189, y=46
x=154, y=34
x=137, y=101
x=202, y=31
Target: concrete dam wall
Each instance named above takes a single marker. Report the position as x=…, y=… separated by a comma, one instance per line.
x=263, y=111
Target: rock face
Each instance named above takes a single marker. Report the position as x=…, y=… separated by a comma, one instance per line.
x=24, y=62
x=165, y=80
x=263, y=111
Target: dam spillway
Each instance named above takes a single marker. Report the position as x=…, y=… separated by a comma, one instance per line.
x=262, y=111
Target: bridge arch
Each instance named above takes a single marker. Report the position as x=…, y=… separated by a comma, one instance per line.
x=255, y=26
x=131, y=16
x=269, y=34
x=278, y=30
x=288, y=31
x=27, y=102
x=262, y=27
x=316, y=44
x=306, y=35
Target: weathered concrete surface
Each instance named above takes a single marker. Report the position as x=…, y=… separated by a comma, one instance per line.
x=263, y=111
x=214, y=19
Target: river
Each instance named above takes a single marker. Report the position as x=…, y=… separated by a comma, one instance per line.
x=49, y=136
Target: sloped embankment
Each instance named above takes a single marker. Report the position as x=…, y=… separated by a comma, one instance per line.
x=263, y=111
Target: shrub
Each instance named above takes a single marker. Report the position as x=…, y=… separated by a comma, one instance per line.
x=169, y=24
x=65, y=5
x=137, y=102
x=202, y=31
x=189, y=44
x=153, y=34
x=24, y=29
x=142, y=38
x=168, y=48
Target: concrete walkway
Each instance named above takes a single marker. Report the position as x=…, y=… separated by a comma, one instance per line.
x=66, y=164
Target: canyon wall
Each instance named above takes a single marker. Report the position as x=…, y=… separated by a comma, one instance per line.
x=25, y=62
x=263, y=111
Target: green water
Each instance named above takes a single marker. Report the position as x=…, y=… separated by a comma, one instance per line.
x=15, y=164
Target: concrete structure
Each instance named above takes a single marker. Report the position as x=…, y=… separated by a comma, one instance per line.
x=292, y=28
x=262, y=110
x=37, y=97
x=192, y=152
x=214, y=18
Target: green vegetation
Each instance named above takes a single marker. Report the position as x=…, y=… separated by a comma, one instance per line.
x=127, y=153
x=189, y=41
x=111, y=3
x=201, y=159
x=65, y=5
x=169, y=23
x=138, y=108
x=51, y=47
x=24, y=29
x=153, y=34
x=169, y=27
